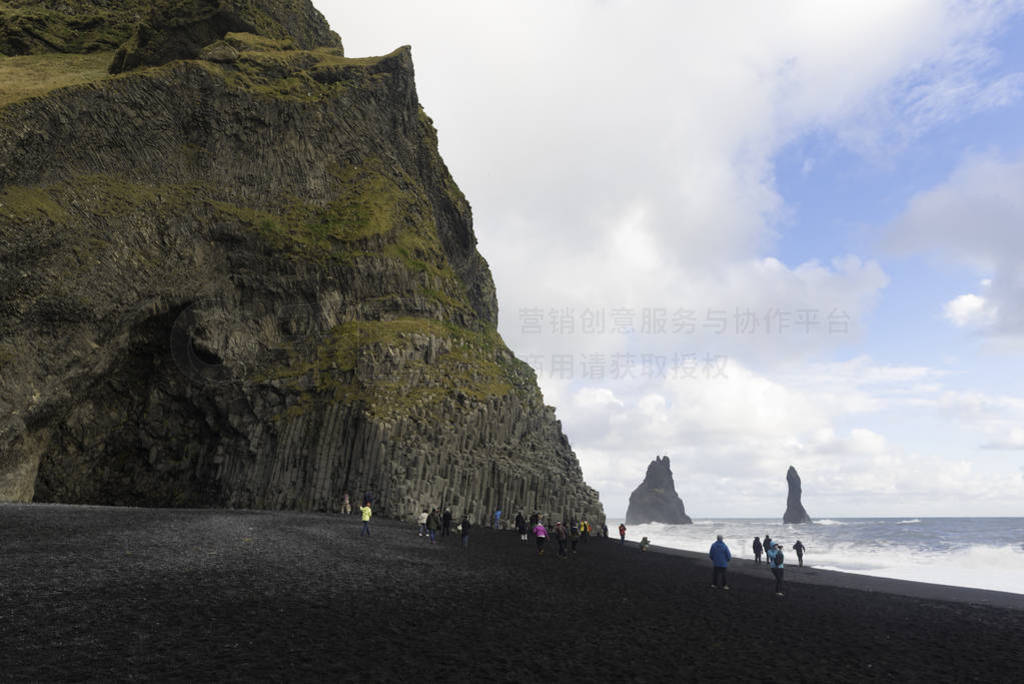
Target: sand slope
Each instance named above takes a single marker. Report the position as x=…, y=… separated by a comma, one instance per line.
x=149, y=594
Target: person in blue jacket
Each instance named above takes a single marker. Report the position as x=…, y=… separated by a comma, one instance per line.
x=775, y=562
x=720, y=557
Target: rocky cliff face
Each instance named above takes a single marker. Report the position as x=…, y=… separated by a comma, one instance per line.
x=795, y=512
x=248, y=279
x=655, y=500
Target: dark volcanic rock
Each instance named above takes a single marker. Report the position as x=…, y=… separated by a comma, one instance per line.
x=178, y=29
x=655, y=500
x=252, y=282
x=795, y=512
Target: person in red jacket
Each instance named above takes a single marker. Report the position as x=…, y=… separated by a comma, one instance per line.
x=622, y=533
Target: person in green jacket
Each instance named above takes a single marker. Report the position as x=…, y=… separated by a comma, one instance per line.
x=367, y=513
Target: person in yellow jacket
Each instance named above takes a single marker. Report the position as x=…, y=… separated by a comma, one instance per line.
x=367, y=513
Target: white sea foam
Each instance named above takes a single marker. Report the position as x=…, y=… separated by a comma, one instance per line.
x=977, y=553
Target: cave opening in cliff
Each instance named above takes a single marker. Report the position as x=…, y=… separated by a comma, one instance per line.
x=139, y=429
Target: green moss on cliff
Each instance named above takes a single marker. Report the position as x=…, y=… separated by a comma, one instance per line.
x=395, y=365
x=29, y=203
x=31, y=76
x=77, y=26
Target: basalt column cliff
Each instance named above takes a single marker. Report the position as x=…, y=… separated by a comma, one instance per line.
x=234, y=271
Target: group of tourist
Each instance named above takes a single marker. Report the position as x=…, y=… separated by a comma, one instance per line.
x=774, y=556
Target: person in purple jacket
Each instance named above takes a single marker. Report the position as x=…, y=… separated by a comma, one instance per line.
x=720, y=557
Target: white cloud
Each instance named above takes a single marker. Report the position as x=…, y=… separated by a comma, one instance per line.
x=975, y=218
x=620, y=155
x=971, y=310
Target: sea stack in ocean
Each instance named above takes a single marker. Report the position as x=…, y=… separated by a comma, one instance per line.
x=795, y=512
x=655, y=500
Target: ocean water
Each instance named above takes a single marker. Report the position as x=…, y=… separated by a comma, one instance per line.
x=982, y=553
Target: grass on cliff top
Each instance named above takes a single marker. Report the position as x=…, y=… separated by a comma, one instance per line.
x=34, y=75
x=274, y=68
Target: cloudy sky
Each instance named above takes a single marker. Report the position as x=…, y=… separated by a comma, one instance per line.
x=749, y=235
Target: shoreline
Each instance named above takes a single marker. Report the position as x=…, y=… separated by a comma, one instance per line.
x=867, y=583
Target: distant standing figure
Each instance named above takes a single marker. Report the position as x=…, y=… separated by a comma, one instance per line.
x=562, y=537
x=366, y=513
x=346, y=505
x=799, y=548
x=757, y=550
x=497, y=518
x=775, y=562
x=446, y=523
x=720, y=557
x=433, y=525
x=604, y=530
x=766, y=544
x=644, y=543
x=464, y=528
x=574, y=537
x=542, y=537
x=422, y=520
x=534, y=519
x=521, y=526
x=622, y=533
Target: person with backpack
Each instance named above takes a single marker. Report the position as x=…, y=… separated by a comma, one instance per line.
x=433, y=525
x=542, y=536
x=799, y=548
x=776, y=561
x=562, y=537
x=757, y=550
x=574, y=537
x=720, y=557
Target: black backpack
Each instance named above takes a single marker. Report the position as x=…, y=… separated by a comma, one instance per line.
x=779, y=557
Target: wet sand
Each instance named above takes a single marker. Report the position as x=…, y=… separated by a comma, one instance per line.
x=91, y=594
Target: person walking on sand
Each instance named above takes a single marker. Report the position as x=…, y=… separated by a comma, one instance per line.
x=433, y=525
x=720, y=557
x=574, y=537
x=446, y=523
x=521, y=526
x=464, y=528
x=775, y=562
x=757, y=550
x=422, y=520
x=622, y=533
x=562, y=537
x=542, y=536
x=366, y=513
x=799, y=548
x=346, y=505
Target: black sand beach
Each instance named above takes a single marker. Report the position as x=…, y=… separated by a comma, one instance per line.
x=107, y=594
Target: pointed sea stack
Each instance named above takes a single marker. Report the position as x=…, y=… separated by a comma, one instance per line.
x=655, y=500
x=795, y=512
